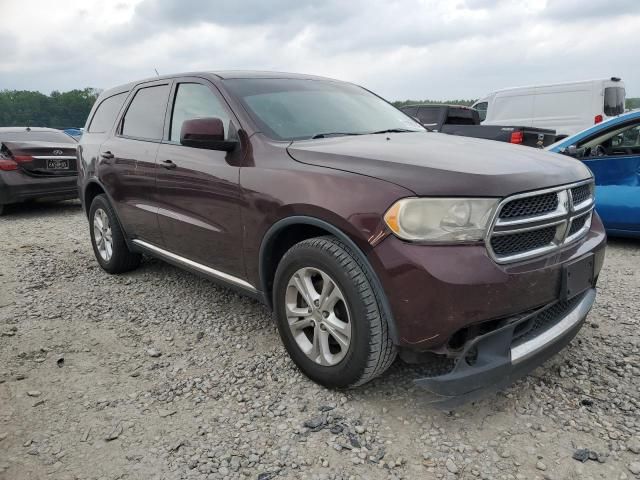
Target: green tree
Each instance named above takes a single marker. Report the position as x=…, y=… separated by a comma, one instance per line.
x=632, y=103
x=402, y=103
x=58, y=110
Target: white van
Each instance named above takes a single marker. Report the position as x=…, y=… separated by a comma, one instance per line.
x=566, y=108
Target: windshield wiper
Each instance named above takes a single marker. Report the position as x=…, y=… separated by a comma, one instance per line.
x=395, y=130
x=333, y=134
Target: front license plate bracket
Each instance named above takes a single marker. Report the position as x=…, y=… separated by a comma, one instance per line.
x=577, y=276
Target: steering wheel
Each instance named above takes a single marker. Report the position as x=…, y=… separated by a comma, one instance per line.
x=598, y=151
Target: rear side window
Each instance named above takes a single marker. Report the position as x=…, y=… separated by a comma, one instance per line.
x=462, y=116
x=482, y=110
x=106, y=113
x=613, y=101
x=194, y=100
x=429, y=116
x=145, y=115
x=411, y=111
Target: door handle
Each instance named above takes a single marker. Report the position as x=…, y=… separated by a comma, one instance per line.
x=107, y=155
x=168, y=164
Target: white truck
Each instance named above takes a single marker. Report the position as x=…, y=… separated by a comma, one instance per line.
x=566, y=108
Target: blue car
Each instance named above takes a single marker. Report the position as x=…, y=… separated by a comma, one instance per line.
x=612, y=151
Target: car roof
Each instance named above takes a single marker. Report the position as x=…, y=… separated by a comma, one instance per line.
x=220, y=74
x=433, y=105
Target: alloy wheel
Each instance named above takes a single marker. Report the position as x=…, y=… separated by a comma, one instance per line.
x=102, y=234
x=318, y=316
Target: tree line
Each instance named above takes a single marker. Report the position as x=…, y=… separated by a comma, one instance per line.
x=70, y=109
x=25, y=108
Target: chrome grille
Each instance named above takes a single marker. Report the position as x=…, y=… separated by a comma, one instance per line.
x=581, y=194
x=524, y=207
x=517, y=242
x=577, y=224
x=536, y=223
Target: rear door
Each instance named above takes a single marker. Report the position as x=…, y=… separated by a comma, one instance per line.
x=127, y=160
x=199, y=196
x=98, y=128
x=613, y=156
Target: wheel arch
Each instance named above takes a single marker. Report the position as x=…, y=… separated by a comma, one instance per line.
x=91, y=191
x=288, y=231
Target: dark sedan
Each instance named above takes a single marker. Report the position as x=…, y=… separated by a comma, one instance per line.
x=36, y=163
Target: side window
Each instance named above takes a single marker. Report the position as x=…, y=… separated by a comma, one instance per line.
x=106, y=113
x=411, y=111
x=621, y=140
x=429, y=115
x=194, y=100
x=482, y=109
x=145, y=115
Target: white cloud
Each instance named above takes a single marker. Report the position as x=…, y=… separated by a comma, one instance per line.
x=400, y=49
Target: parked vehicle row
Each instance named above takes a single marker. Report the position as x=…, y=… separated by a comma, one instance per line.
x=367, y=236
x=36, y=163
x=611, y=150
x=566, y=108
x=465, y=121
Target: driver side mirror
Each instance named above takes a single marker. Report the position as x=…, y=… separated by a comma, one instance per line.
x=205, y=133
x=571, y=150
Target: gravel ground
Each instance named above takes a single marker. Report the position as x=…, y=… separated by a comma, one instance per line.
x=158, y=374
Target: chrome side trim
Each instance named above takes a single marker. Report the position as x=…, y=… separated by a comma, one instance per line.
x=528, y=349
x=54, y=157
x=195, y=265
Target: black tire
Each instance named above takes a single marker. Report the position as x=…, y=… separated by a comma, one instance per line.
x=122, y=259
x=1, y=209
x=371, y=350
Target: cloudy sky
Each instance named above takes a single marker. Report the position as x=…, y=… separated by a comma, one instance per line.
x=438, y=49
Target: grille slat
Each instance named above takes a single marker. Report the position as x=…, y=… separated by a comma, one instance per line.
x=544, y=321
x=551, y=217
x=577, y=224
x=528, y=206
x=581, y=194
x=514, y=243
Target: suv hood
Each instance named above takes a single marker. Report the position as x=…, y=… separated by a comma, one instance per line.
x=442, y=165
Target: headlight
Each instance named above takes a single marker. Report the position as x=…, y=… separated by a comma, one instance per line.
x=441, y=219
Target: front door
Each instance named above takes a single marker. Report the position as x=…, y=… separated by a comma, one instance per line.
x=614, y=158
x=198, y=189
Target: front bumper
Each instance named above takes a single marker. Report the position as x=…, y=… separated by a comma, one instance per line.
x=498, y=358
x=435, y=291
x=16, y=187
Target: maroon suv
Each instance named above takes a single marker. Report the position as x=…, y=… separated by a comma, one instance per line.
x=367, y=235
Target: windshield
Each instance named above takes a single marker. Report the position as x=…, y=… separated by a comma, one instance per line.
x=614, y=101
x=36, y=136
x=295, y=109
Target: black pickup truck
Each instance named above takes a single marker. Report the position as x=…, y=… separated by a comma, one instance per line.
x=465, y=121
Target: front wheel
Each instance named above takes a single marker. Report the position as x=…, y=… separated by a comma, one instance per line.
x=328, y=314
x=107, y=238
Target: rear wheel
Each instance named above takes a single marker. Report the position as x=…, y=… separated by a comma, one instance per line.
x=328, y=314
x=107, y=238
